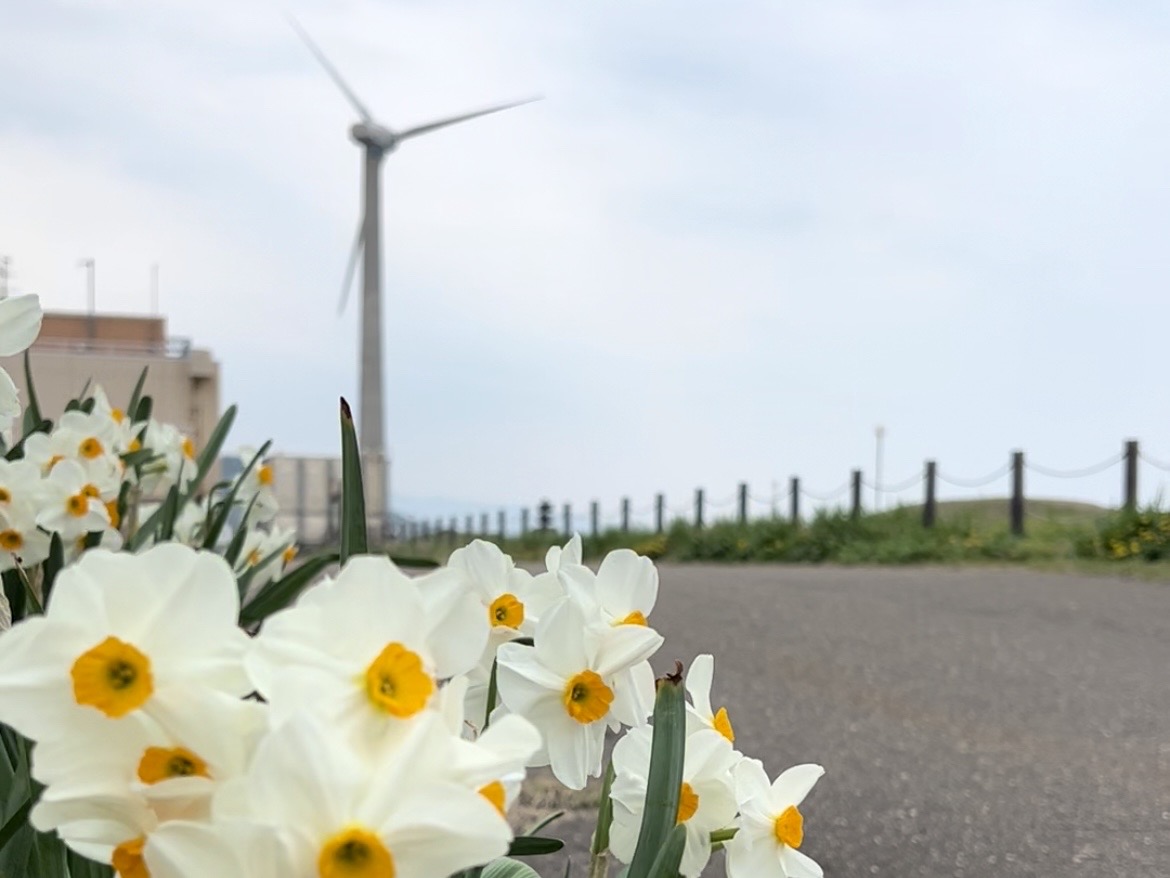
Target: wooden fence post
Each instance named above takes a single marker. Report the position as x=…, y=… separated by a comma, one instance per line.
x=794, y=501
x=698, y=507
x=1131, y=475
x=469, y=530
x=594, y=517
x=625, y=515
x=929, y=506
x=524, y=522
x=855, y=504
x=483, y=524
x=743, y=503
x=453, y=532
x=659, y=512
x=1016, y=507
x=501, y=524
x=567, y=516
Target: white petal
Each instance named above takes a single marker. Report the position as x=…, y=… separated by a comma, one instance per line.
x=20, y=323
x=797, y=865
x=574, y=751
x=523, y=680
x=560, y=639
x=747, y=860
x=696, y=852
x=623, y=647
x=179, y=849
x=458, y=625
x=793, y=785
x=627, y=581
x=751, y=782
x=9, y=400
x=623, y=832
x=699, y=678
x=633, y=694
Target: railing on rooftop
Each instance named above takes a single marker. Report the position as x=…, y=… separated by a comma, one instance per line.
x=172, y=348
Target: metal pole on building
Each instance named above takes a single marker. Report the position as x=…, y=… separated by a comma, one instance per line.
x=91, y=295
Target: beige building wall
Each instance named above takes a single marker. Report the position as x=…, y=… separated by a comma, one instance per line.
x=308, y=491
x=111, y=350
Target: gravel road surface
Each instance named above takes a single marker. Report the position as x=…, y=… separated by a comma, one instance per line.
x=972, y=722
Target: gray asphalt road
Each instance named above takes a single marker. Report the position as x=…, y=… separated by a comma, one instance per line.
x=972, y=722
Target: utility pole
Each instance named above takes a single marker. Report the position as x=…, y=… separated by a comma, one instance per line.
x=880, y=436
x=88, y=265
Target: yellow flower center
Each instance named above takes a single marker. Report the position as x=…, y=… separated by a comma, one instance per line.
x=163, y=763
x=112, y=509
x=789, y=827
x=5, y=497
x=587, y=698
x=53, y=461
x=397, y=683
x=494, y=793
x=506, y=612
x=135, y=445
x=688, y=803
x=114, y=677
x=253, y=558
x=188, y=448
x=264, y=475
x=635, y=618
x=91, y=490
x=77, y=505
x=722, y=723
x=90, y=448
x=289, y=554
x=127, y=859
x=355, y=853
x=118, y=415
x=11, y=540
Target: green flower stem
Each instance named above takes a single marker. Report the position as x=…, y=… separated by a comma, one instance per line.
x=493, y=694
x=599, y=850
x=721, y=835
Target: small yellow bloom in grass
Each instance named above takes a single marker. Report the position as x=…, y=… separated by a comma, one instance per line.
x=163, y=763
x=397, y=683
x=11, y=540
x=688, y=803
x=634, y=618
x=494, y=793
x=355, y=853
x=506, y=611
x=113, y=676
x=789, y=827
x=587, y=698
x=722, y=724
x=127, y=859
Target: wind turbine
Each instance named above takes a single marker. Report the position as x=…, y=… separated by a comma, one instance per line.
x=378, y=141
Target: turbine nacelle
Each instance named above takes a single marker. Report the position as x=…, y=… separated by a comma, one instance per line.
x=371, y=134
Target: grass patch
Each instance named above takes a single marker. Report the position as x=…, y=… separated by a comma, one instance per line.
x=1060, y=535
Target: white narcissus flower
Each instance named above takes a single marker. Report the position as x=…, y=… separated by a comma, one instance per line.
x=365, y=651
x=699, y=712
x=511, y=598
x=706, y=799
x=173, y=461
x=771, y=827
x=341, y=816
x=622, y=592
x=279, y=544
x=141, y=771
x=569, y=555
x=124, y=635
x=72, y=505
x=257, y=489
x=21, y=541
x=20, y=324
x=571, y=686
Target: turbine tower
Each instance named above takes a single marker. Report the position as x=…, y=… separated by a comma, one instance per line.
x=378, y=141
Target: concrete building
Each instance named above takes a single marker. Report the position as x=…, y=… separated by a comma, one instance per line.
x=111, y=350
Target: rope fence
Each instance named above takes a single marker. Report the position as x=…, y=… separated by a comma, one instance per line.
x=703, y=510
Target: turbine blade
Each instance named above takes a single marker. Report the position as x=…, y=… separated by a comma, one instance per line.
x=455, y=120
x=331, y=70
x=351, y=266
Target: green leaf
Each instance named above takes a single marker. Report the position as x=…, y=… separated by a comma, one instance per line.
x=221, y=509
x=85, y=389
x=545, y=822
x=353, y=501
x=210, y=453
x=32, y=412
x=409, y=561
x=279, y=593
x=170, y=511
x=14, y=591
x=604, y=814
x=80, y=867
x=17, y=821
x=666, y=863
x=664, y=780
x=505, y=868
x=136, y=395
x=144, y=410
x=533, y=846
x=17, y=450
x=53, y=565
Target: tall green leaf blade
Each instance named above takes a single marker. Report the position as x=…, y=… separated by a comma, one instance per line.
x=666, y=863
x=52, y=566
x=32, y=412
x=221, y=509
x=353, y=500
x=210, y=453
x=136, y=395
x=279, y=593
x=664, y=779
x=505, y=868
x=533, y=846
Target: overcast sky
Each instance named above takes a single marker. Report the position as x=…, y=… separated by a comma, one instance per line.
x=733, y=238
